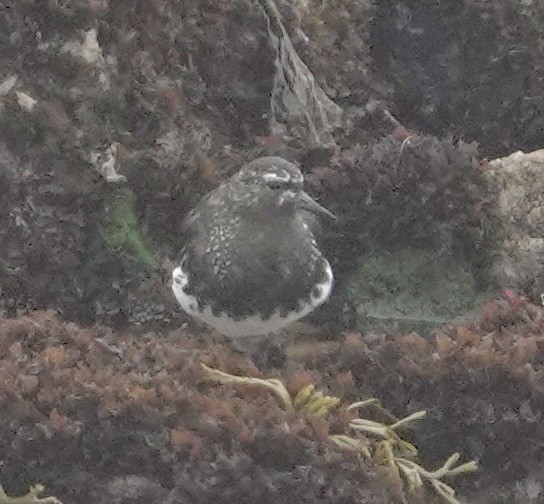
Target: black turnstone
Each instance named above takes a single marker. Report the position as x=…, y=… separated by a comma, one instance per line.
x=250, y=264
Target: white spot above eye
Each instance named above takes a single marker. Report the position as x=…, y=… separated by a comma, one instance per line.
x=277, y=177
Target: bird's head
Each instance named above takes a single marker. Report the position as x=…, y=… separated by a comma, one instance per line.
x=277, y=184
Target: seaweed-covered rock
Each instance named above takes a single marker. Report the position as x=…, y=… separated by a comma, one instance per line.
x=43, y=235
x=481, y=383
x=107, y=102
x=102, y=417
x=406, y=192
x=418, y=191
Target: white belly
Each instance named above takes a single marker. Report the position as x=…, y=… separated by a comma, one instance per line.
x=251, y=326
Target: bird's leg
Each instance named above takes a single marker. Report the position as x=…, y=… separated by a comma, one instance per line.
x=266, y=350
x=247, y=345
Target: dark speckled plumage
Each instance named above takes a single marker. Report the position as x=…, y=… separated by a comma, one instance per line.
x=248, y=249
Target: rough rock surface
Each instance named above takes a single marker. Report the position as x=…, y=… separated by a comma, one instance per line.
x=518, y=187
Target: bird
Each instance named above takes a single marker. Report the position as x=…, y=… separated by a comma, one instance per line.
x=250, y=264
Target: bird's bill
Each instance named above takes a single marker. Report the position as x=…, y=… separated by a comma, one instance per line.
x=306, y=202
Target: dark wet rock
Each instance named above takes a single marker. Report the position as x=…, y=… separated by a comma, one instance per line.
x=470, y=68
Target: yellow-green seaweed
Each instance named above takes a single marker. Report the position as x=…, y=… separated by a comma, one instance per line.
x=32, y=497
x=380, y=442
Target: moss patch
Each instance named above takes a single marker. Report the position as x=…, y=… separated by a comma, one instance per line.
x=412, y=289
x=122, y=233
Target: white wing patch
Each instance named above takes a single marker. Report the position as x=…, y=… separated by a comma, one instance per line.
x=251, y=326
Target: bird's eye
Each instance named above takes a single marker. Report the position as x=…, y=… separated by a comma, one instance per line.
x=276, y=180
x=276, y=185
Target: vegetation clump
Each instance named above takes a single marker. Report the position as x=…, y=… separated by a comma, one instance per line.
x=68, y=394
x=381, y=442
x=123, y=233
x=412, y=288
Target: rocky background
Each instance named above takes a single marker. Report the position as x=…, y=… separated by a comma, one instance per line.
x=115, y=117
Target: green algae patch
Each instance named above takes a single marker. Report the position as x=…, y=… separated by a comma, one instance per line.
x=122, y=233
x=412, y=289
